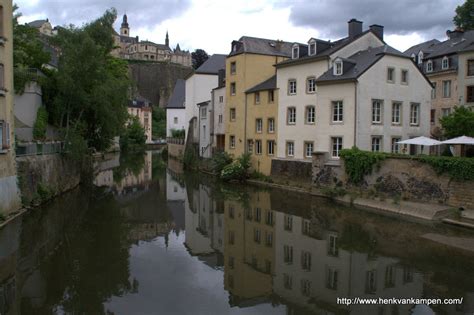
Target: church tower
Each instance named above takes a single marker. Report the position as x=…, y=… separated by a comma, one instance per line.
x=124, y=29
x=167, y=40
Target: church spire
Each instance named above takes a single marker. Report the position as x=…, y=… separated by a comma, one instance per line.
x=124, y=29
x=167, y=40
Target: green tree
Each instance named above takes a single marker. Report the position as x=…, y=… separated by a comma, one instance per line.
x=159, y=123
x=464, y=17
x=28, y=52
x=87, y=95
x=459, y=123
x=134, y=136
x=199, y=56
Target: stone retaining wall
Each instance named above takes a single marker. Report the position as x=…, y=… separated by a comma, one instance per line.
x=296, y=170
x=398, y=178
x=176, y=151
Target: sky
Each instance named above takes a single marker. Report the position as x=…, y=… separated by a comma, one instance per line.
x=213, y=24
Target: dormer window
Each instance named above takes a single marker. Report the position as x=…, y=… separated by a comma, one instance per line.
x=295, y=52
x=338, y=67
x=429, y=66
x=445, y=63
x=312, y=47
x=413, y=56
x=420, y=57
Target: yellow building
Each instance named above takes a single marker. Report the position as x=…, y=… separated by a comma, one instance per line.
x=249, y=65
x=143, y=111
x=9, y=196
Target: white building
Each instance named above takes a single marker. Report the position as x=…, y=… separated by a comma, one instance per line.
x=199, y=85
x=175, y=110
x=218, y=108
x=354, y=91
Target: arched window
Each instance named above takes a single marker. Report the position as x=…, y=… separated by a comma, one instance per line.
x=420, y=57
x=429, y=66
x=445, y=63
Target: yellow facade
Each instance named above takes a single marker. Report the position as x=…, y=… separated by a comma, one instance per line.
x=249, y=254
x=260, y=130
x=250, y=70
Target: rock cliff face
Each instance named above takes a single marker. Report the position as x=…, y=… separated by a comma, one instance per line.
x=155, y=81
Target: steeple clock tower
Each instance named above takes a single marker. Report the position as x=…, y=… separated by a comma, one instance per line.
x=167, y=40
x=124, y=29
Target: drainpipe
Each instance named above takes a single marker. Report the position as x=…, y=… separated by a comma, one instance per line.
x=356, y=119
x=211, y=120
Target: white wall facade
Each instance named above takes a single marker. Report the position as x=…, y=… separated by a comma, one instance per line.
x=205, y=126
x=175, y=119
x=373, y=85
x=219, y=111
x=198, y=90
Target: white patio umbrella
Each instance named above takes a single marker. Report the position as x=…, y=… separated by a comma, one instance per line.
x=423, y=141
x=460, y=140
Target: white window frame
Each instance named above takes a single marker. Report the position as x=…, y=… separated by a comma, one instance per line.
x=257, y=97
x=290, y=148
x=377, y=112
x=292, y=87
x=271, y=147
x=233, y=88
x=295, y=51
x=446, y=91
x=311, y=85
x=232, y=114
x=291, y=115
x=310, y=115
x=337, y=112
x=338, y=67
x=420, y=57
x=308, y=149
x=232, y=141
x=429, y=66
x=271, y=125
x=402, y=72
x=258, y=125
x=414, y=114
x=336, y=146
x=445, y=63
x=376, y=144
x=397, y=113
x=258, y=147
x=391, y=75
x=312, y=52
x=395, y=147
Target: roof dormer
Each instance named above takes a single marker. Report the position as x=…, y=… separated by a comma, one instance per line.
x=295, y=51
x=445, y=63
x=312, y=47
x=338, y=67
x=413, y=56
x=420, y=57
x=429, y=66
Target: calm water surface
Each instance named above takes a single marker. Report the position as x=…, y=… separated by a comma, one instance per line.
x=147, y=238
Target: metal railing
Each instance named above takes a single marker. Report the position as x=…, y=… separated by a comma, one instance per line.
x=39, y=148
x=175, y=140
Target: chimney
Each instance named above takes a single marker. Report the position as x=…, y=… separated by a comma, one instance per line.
x=354, y=28
x=377, y=30
x=457, y=33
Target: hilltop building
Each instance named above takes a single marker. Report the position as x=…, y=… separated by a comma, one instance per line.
x=132, y=48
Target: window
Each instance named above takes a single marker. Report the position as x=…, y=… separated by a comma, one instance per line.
x=306, y=227
x=271, y=125
x=389, y=276
x=331, y=278
x=233, y=88
x=291, y=116
x=311, y=85
x=310, y=114
x=290, y=148
x=221, y=99
x=232, y=142
x=308, y=149
x=338, y=67
x=232, y=114
x=233, y=67
x=445, y=112
x=305, y=287
x=295, y=52
x=414, y=114
x=447, y=89
x=371, y=282
x=203, y=113
x=391, y=75
x=256, y=235
x=231, y=237
x=288, y=254
x=337, y=111
x=220, y=119
x=292, y=87
x=377, y=108
x=249, y=146
x=336, y=146
x=287, y=281
x=395, y=145
x=332, y=246
x=175, y=120
x=258, y=147
x=306, y=260
x=433, y=116
x=413, y=57
x=231, y=262
x=257, y=97
x=470, y=68
x=433, y=90
x=271, y=96
x=271, y=147
x=204, y=132
x=258, y=125
x=445, y=63
x=429, y=66
x=269, y=239
x=470, y=94
x=1, y=22
x=420, y=57
x=404, y=77
x=376, y=144
x=396, y=113
x=288, y=223
x=2, y=79
x=231, y=212
x=4, y=135
x=269, y=218
x=258, y=214
x=312, y=48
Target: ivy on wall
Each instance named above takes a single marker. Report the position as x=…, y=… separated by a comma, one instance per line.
x=360, y=163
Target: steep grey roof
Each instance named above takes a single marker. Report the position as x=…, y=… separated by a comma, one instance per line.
x=324, y=49
x=425, y=46
x=262, y=46
x=178, y=97
x=160, y=46
x=37, y=23
x=357, y=64
x=212, y=65
x=269, y=84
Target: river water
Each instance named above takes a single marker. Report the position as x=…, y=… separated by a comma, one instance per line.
x=147, y=238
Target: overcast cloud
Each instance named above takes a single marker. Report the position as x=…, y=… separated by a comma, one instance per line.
x=213, y=24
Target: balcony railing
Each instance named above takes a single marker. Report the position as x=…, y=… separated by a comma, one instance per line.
x=39, y=148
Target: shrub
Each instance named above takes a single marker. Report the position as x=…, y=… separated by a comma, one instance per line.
x=237, y=170
x=134, y=138
x=360, y=163
x=178, y=133
x=219, y=161
x=39, y=129
x=456, y=167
